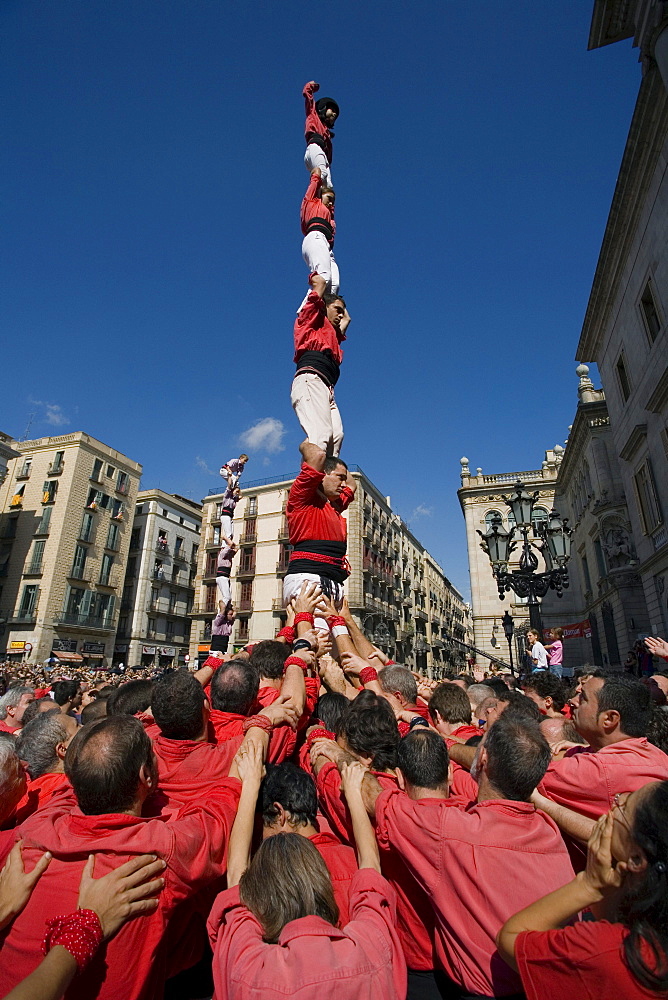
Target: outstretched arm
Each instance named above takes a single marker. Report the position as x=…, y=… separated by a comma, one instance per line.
x=352, y=777
x=313, y=455
x=307, y=93
x=249, y=764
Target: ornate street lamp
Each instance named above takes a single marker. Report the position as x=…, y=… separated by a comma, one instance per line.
x=551, y=539
x=508, y=630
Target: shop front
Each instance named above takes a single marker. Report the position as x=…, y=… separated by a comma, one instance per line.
x=93, y=654
x=148, y=656
x=202, y=652
x=166, y=656
x=64, y=653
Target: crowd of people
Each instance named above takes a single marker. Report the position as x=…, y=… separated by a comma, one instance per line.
x=303, y=817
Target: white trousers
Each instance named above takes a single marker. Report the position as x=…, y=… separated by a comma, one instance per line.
x=227, y=526
x=319, y=257
x=315, y=157
x=292, y=585
x=317, y=412
x=224, y=588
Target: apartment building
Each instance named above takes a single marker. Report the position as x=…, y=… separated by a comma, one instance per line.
x=64, y=538
x=398, y=593
x=7, y=452
x=154, y=623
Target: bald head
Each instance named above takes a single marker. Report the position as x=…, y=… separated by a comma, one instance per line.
x=111, y=766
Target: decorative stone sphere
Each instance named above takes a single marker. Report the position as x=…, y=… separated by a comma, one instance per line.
x=582, y=370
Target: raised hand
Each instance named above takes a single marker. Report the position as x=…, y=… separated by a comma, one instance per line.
x=126, y=892
x=352, y=776
x=308, y=598
x=281, y=711
x=353, y=663
x=16, y=884
x=249, y=762
x=599, y=873
x=656, y=646
x=378, y=658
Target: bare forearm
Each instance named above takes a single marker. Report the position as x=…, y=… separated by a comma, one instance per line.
x=365, y=839
x=548, y=913
x=362, y=644
x=238, y=851
x=49, y=980
x=573, y=823
x=462, y=755
x=371, y=789
x=203, y=675
x=294, y=688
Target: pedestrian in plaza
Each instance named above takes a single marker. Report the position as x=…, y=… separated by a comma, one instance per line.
x=555, y=651
x=536, y=650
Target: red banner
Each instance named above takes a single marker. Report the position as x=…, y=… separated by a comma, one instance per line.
x=581, y=630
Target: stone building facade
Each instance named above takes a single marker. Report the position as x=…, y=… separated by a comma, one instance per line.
x=625, y=328
x=7, y=452
x=397, y=591
x=158, y=593
x=67, y=506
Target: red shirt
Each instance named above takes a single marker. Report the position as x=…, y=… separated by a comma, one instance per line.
x=478, y=866
x=314, y=124
x=312, y=960
x=5, y=728
x=187, y=772
x=314, y=208
x=582, y=962
x=415, y=918
x=310, y=514
x=314, y=332
x=587, y=780
x=228, y=727
x=38, y=794
x=342, y=865
x=133, y=965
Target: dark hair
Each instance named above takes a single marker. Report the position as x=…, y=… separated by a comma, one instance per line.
x=93, y=711
x=628, y=696
x=332, y=462
x=177, y=704
x=423, y=758
x=370, y=730
x=547, y=685
x=293, y=789
x=467, y=678
x=452, y=704
x=643, y=906
x=287, y=879
x=518, y=756
x=103, y=762
x=657, y=730
x=397, y=678
x=36, y=743
x=520, y=706
x=234, y=687
x=329, y=297
x=64, y=691
x=268, y=657
x=33, y=710
x=331, y=709
x=497, y=684
x=130, y=698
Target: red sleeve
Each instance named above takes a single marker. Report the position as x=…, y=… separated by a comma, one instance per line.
x=328, y=786
x=309, y=103
x=304, y=487
x=563, y=964
x=312, y=685
x=578, y=781
x=313, y=190
x=462, y=784
x=282, y=744
x=344, y=499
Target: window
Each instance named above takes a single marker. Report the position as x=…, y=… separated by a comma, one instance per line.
x=58, y=464
x=25, y=469
x=169, y=631
x=650, y=313
x=585, y=573
x=28, y=601
x=44, y=522
x=132, y=567
x=158, y=570
x=74, y=602
x=79, y=564
x=96, y=498
x=87, y=526
x=242, y=633
x=134, y=538
x=210, y=568
x=247, y=563
x=251, y=510
x=172, y=603
x=113, y=536
x=215, y=538
x=122, y=483
x=151, y=626
x=49, y=489
x=117, y=509
x=155, y=597
x=35, y=565
x=538, y=517
x=648, y=502
x=193, y=554
x=105, y=572
x=110, y=471
x=178, y=547
x=490, y=515
x=123, y=625
x=250, y=528
x=162, y=541
x=126, y=600
x=17, y=498
x=4, y=560
x=600, y=559
x=623, y=377
x=246, y=595
x=97, y=470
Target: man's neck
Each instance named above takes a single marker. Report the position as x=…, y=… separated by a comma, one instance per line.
x=487, y=791
x=428, y=793
x=607, y=740
x=271, y=682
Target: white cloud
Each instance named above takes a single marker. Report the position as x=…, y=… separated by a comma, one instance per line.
x=201, y=464
x=53, y=413
x=265, y=435
x=422, y=511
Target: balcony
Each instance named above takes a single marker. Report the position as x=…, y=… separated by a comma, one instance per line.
x=284, y=533
x=245, y=608
x=282, y=567
x=34, y=569
x=55, y=468
x=250, y=538
x=84, y=621
x=422, y=615
x=24, y=473
x=162, y=548
x=180, y=556
x=23, y=618
x=123, y=488
x=246, y=572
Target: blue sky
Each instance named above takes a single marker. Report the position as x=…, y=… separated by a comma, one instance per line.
x=152, y=163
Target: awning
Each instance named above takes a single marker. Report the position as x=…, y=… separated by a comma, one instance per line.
x=69, y=657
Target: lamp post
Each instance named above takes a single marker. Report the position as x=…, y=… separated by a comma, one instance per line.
x=509, y=628
x=552, y=539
